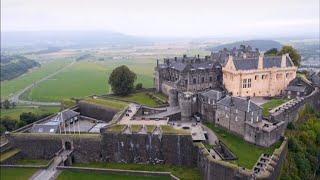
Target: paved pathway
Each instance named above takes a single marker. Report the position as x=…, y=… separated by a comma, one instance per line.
x=16, y=97
x=212, y=137
x=51, y=172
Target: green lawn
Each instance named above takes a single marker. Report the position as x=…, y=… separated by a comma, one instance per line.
x=271, y=104
x=107, y=102
x=247, y=153
x=86, y=78
x=15, y=112
x=80, y=175
x=140, y=97
x=16, y=173
x=32, y=162
x=14, y=85
x=184, y=173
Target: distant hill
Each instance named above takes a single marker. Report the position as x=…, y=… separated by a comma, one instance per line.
x=14, y=66
x=262, y=45
x=60, y=39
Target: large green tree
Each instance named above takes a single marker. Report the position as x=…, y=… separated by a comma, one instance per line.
x=122, y=80
x=293, y=53
x=271, y=52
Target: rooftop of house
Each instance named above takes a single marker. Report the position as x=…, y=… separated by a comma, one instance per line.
x=212, y=94
x=239, y=103
x=268, y=62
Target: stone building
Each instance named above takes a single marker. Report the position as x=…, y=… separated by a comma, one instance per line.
x=187, y=74
x=261, y=76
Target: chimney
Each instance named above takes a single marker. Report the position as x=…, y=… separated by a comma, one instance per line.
x=248, y=99
x=284, y=60
x=260, y=61
x=157, y=62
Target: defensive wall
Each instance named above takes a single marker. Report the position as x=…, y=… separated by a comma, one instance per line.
x=96, y=111
x=289, y=111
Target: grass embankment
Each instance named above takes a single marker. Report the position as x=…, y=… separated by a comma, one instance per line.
x=14, y=113
x=16, y=173
x=246, y=153
x=110, y=103
x=271, y=104
x=166, y=129
x=184, y=173
x=79, y=175
x=116, y=128
x=7, y=154
x=32, y=162
x=139, y=97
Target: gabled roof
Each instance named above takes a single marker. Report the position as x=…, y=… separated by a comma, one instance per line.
x=296, y=88
x=64, y=115
x=238, y=103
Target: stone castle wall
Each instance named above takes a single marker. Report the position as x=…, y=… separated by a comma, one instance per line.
x=96, y=111
x=135, y=148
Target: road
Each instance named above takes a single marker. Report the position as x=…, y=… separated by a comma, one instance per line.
x=16, y=97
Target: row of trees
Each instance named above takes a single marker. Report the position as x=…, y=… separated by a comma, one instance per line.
x=9, y=124
x=293, y=53
x=6, y=104
x=16, y=67
x=303, y=157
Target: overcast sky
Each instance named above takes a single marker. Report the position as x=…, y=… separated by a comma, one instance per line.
x=193, y=18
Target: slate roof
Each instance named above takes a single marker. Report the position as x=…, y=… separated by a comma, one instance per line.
x=296, y=88
x=44, y=128
x=268, y=62
x=238, y=103
x=212, y=94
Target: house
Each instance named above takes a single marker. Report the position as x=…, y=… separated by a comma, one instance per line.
x=298, y=87
x=258, y=76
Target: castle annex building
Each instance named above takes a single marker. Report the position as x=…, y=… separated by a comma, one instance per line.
x=258, y=76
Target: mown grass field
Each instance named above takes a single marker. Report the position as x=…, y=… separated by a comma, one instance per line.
x=87, y=78
x=78, y=175
x=16, y=173
x=15, y=112
x=14, y=85
x=247, y=153
x=182, y=172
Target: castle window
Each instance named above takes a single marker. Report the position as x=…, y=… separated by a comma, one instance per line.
x=256, y=77
x=186, y=82
x=249, y=83
x=202, y=79
x=236, y=118
x=210, y=78
x=194, y=81
x=244, y=83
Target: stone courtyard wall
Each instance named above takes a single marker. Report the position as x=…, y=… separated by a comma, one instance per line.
x=96, y=111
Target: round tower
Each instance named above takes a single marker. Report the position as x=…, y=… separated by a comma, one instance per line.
x=185, y=103
x=173, y=97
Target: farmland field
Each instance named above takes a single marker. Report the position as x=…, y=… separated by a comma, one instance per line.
x=14, y=85
x=16, y=173
x=86, y=78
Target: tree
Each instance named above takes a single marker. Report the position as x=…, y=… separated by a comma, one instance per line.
x=271, y=52
x=6, y=104
x=293, y=53
x=9, y=123
x=28, y=117
x=122, y=80
x=139, y=86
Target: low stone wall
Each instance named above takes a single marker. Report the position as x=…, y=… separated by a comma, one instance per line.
x=13, y=159
x=96, y=111
x=147, y=148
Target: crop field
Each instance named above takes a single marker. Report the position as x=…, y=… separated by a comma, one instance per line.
x=12, y=86
x=86, y=78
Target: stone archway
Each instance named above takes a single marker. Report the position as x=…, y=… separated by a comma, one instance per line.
x=68, y=145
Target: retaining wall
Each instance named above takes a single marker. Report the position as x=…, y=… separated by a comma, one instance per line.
x=96, y=111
